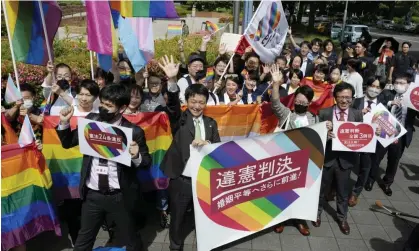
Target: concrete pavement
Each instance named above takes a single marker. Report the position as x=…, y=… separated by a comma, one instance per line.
x=371, y=229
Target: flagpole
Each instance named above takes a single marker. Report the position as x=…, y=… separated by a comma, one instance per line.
x=91, y=65
x=41, y=10
x=11, y=45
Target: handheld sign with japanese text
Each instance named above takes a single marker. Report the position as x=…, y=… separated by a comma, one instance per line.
x=354, y=137
x=105, y=141
x=411, y=97
x=244, y=186
x=391, y=129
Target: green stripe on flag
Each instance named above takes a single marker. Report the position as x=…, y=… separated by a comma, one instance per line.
x=23, y=198
x=267, y=206
x=140, y=8
x=209, y=163
x=22, y=31
x=64, y=165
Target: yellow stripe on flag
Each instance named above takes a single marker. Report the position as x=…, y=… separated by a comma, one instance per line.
x=52, y=151
x=12, y=8
x=24, y=179
x=159, y=143
x=255, y=212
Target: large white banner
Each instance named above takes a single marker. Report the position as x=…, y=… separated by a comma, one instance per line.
x=242, y=187
x=267, y=30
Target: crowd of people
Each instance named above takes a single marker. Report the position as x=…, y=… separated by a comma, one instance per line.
x=308, y=83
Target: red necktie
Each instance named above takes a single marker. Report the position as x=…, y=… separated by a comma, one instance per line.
x=342, y=116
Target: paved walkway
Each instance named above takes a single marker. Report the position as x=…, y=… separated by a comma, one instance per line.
x=370, y=229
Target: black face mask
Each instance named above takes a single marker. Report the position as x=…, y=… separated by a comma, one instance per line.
x=63, y=84
x=105, y=115
x=300, y=109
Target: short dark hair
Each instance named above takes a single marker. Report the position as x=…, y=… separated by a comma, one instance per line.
x=29, y=88
x=200, y=75
x=283, y=58
x=408, y=43
x=343, y=86
x=116, y=94
x=382, y=82
x=335, y=67
x=193, y=90
x=223, y=59
x=62, y=65
x=251, y=55
x=354, y=63
x=406, y=76
x=254, y=75
x=306, y=91
x=297, y=72
x=89, y=85
x=183, y=21
x=235, y=79
x=324, y=68
x=326, y=42
x=363, y=43
x=101, y=73
x=316, y=41
x=129, y=64
x=136, y=89
x=305, y=42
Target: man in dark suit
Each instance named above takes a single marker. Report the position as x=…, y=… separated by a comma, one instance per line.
x=406, y=116
x=192, y=128
x=365, y=104
x=338, y=164
x=107, y=187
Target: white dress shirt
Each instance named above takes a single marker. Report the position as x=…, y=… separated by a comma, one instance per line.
x=59, y=103
x=183, y=84
x=304, y=66
x=355, y=79
x=373, y=104
x=404, y=109
x=92, y=181
x=186, y=172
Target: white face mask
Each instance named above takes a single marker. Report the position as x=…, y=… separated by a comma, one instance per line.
x=27, y=103
x=400, y=89
x=373, y=92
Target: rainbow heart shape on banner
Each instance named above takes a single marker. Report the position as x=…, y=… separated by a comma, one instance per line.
x=111, y=141
x=255, y=214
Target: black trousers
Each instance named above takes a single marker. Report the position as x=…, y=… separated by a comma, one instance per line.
x=394, y=154
x=341, y=177
x=367, y=171
x=180, y=194
x=70, y=212
x=95, y=208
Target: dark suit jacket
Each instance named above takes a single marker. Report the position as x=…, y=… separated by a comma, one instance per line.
x=389, y=95
x=359, y=103
x=346, y=159
x=309, y=69
x=127, y=175
x=183, y=131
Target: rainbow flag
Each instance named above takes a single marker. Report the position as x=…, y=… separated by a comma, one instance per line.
x=10, y=134
x=211, y=26
x=151, y=8
x=174, y=29
x=12, y=92
x=101, y=34
x=26, y=31
x=210, y=74
x=26, y=200
x=65, y=164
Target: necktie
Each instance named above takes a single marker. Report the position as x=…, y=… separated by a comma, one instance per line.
x=369, y=103
x=198, y=129
x=103, y=178
x=342, y=116
x=398, y=112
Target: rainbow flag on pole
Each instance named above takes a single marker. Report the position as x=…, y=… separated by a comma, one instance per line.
x=26, y=31
x=101, y=34
x=151, y=8
x=211, y=26
x=26, y=201
x=174, y=29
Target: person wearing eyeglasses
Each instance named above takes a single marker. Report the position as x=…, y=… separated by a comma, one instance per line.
x=338, y=164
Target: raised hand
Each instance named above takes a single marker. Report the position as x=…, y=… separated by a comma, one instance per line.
x=65, y=114
x=222, y=49
x=56, y=89
x=266, y=68
x=248, y=49
x=23, y=111
x=134, y=149
x=277, y=76
x=206, y=38
x=38, y=145
x=169, y=67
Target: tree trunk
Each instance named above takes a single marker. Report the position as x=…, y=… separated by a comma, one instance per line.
x=301, y=8
x=313, y=8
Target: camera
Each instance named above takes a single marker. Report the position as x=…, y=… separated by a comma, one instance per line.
x=63, y=84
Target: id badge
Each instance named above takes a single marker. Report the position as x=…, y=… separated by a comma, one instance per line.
x=102, y=167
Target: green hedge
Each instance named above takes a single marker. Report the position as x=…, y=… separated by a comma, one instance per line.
x=75, y=54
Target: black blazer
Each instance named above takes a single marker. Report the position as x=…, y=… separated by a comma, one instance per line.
x=346, y=159
x=409, y=121
x=309, y=68
x=359, y=103
x=183, y=131
x=127, y=175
